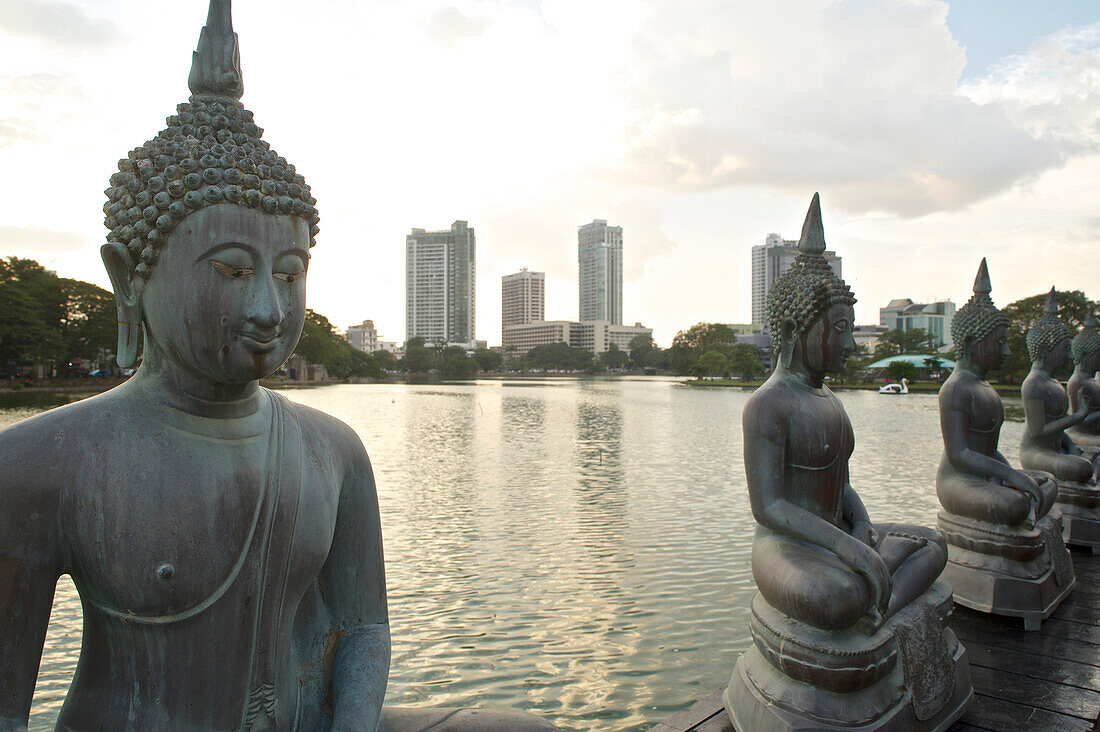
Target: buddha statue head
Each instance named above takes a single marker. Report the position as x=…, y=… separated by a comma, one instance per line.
x=979, y=329
x=809, y=309
x=1085, y=347
x=1048, y=339
x=210, y=231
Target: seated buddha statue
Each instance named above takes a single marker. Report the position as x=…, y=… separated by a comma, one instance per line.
x=1085, y=350
x=1046, y=445
x=1006, y=554
x=225, y=542
x=841, y=600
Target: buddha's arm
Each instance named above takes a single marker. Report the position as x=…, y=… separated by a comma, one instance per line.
x=353, y=585
x=1036, y=415
x=29, y=568
x=765, y=446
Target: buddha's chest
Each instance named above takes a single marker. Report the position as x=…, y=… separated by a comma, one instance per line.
x=986, y=412
x=182, y=533
x=820, y=435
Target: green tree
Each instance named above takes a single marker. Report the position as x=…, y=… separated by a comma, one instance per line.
x=89, y=324
x=745, y=359
x=640, y=348
x=418, y=357
x=897, y=341
x=488, y=360
x=613, y=358
x=386, y=360
x=898, y=370
x=712, y=363
x=455, y=364
x=1073, y=307
x=31, y=309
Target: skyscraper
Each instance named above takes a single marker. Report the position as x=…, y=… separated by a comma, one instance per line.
x=600, y=271
x=440, y=284
x=522, y=298
x=769, y=260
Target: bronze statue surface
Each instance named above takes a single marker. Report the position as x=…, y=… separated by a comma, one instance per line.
x=1006, y=552
x=1046, y=445
x=840, y=599
x=225, y=541
x=1083, y=385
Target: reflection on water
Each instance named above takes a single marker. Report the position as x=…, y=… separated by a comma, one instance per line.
x=577, y=548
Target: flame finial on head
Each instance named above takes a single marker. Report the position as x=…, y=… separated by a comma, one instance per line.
x=812, y=240
x=979, y=316
x=216, y=63
x=1087, y=342
x=1048, y=330
x=982, y=285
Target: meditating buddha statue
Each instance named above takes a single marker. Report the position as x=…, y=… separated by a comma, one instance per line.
x=225, y=541
x=849, y=624
x=1045, y=444
x=1083, y=384
x=1005, y=550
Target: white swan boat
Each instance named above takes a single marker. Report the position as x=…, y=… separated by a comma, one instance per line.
x=902, y=388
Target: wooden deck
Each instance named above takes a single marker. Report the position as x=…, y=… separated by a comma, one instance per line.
x=1038, y=681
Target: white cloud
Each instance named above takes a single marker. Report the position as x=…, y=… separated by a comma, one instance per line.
x=449, y=25
x=63, y=25
x=856, y=98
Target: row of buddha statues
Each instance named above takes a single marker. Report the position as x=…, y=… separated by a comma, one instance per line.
x=226, y=545
x=849, y=624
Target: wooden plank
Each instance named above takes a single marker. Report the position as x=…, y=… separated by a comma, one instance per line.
x=1038, y=644
x=1056, y=670
x=1084, y=613
x=999, y=715
x=1027, y=690
x=717, y=723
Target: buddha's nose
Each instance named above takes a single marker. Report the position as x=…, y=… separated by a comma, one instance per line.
x=1006, y=351
x=266, y=309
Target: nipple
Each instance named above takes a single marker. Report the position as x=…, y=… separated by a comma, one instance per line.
x=165, y=572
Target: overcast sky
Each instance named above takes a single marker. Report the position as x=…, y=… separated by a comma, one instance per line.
x=936, y=133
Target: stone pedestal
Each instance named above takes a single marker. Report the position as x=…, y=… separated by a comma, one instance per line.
x=1080, y=506
x=910, y=674
x=1007, y=570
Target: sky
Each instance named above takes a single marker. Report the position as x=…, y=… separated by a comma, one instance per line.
x=936, y=133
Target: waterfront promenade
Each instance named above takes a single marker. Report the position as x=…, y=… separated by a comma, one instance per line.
x=1040, y=681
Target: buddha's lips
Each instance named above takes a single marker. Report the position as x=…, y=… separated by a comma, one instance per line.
x=262, y=340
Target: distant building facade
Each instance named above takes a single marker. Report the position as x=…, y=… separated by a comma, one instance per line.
x=868, y=335
x=522, y=298
x=363, y=337
x=934, y=317
x=771, y=259
x=600, y=272
x=440, y=284
x=596, y=336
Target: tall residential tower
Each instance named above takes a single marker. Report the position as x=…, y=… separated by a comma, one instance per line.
x=522, y=299
x=600, y=266
x=769, y=260
x=439, y=281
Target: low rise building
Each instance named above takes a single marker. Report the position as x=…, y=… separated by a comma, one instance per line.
x=934, y=317
x=596, y=336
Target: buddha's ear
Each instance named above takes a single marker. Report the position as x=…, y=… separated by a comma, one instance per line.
x=120, y=268
x=786, y=341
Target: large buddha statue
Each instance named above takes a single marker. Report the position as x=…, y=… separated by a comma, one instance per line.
x=225, y=541
x=1083, y=384
x=1006, y=554
x=849, y=622
x=1045, y=444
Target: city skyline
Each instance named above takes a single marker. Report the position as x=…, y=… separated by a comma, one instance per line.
x=940, y=133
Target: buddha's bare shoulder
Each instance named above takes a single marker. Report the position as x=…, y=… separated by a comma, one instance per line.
x=772, y=403
x=60, y=430
x=329, y=434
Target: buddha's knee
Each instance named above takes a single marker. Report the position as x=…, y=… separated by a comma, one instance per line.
x=838, y=602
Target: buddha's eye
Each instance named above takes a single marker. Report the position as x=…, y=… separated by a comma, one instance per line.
x=231, y=271
x=287, y=277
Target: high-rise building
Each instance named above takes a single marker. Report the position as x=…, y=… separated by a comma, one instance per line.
x=934, y=317
x=600, y=268
x=769, y=261
x=522, y=298
x=440, y=284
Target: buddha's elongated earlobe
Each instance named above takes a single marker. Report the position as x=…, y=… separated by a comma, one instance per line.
x=120, y=268
x=787, y=337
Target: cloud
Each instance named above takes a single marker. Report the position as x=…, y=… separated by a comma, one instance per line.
x=447, y=26
x=60, y=24
x=1053, y=90
x=32, y=238
x=858, y=99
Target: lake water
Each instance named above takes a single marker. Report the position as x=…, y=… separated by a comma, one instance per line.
x=576, y=548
